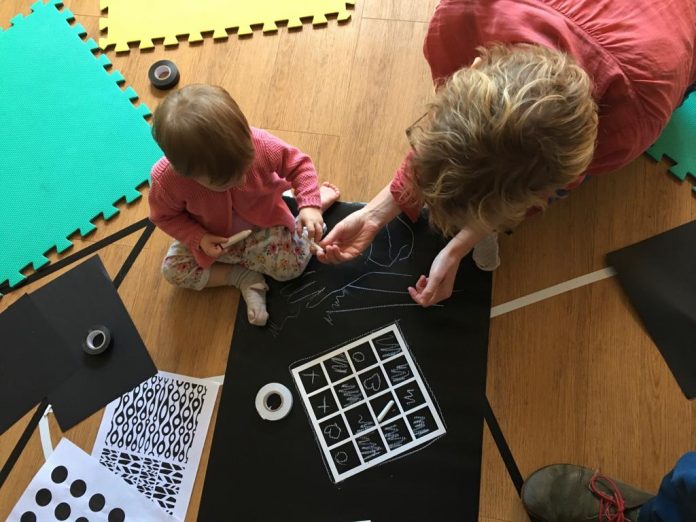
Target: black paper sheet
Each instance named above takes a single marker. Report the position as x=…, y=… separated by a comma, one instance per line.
x=268, y=471
x=33, y=360
x=659, y=277
x=77, y=300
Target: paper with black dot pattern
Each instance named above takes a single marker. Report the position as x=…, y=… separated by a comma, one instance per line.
x=367, y=402
x=73, y=486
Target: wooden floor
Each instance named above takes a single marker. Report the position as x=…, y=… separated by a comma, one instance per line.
x=571, y=379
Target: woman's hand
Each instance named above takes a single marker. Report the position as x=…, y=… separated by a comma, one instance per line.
x=355, y=233
x=439, y=284
x=349, y=238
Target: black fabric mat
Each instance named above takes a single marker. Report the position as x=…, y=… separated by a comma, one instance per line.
x=268, y=471
x=77, y=300
x=659, y=277
x=33, y=360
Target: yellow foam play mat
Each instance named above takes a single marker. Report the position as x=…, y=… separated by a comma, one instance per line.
x=129, y=21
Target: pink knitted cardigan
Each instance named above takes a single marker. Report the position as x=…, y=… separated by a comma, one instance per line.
x=186, y=210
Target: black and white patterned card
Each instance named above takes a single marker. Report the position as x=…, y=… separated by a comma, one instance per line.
x=367, y=402
x=71, y=485
x=153, y=437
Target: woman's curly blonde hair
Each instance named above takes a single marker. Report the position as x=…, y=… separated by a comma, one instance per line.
x=503, y=136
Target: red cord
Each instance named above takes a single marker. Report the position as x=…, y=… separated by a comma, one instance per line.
x=611, y=507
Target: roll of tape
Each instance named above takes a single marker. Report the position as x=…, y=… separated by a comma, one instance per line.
x=163, y=74
x=97, y=340
x=267, y=401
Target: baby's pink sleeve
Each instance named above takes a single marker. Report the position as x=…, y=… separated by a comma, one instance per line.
x=297, y=167
x=172, y=217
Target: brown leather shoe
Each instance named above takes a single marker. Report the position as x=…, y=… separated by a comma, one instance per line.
x=568, y=493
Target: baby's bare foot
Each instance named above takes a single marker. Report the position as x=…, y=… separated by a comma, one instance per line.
x=329, y=194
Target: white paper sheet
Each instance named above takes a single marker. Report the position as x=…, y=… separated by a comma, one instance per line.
x=71, y=484
x=367, y=402
x=153, y=437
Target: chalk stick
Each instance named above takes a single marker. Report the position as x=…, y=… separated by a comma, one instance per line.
x=386, y=409
x=313, y=246
x=239, y=236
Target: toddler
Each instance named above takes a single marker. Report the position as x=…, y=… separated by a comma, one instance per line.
x=222, y=178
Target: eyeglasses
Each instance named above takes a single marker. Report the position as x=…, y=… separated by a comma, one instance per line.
x=412, y=127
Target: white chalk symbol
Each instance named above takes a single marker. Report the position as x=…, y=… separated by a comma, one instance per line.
x=373, y=383
x=419, y=425
x=350, y=393
x=339, y=365
x=311, y=375
x=341, y=457
x=358, y=357
x=333, y=431
x=323, y=406
x=364, y=424
x=400, y=372
x=408, y=396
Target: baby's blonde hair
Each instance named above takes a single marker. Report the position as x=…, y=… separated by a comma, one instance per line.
x=503, y=136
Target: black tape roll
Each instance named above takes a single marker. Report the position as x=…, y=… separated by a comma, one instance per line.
x=163, y=74
x=97, y=340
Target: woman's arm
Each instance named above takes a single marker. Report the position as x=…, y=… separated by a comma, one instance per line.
x=439, y=284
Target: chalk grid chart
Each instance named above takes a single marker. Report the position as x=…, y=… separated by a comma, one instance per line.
x=367, y=402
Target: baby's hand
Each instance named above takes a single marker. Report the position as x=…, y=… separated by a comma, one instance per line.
x=310, y=217
x=212, y=245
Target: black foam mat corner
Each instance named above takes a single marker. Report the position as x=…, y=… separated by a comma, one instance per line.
x=659, y=277
x=268, y=471
x=74, y=302
x=33, y=360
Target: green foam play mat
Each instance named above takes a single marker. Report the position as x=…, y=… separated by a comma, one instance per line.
x=72, y=143
x=678, y=141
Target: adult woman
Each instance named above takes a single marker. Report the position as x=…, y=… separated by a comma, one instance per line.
x=573, y=89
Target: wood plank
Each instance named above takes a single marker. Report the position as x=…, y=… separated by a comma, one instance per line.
x=498, y=500
x=403, y=10
x=312, y=70
x=84, y=7
x=322, y=148
x=537, y=379
x=388, y=90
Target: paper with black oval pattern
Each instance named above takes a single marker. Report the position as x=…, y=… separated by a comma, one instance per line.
x=153, y=437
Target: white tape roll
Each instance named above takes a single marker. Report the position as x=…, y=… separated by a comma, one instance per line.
x=267, y=411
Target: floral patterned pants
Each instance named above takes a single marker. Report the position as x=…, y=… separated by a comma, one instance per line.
x=274, y=251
